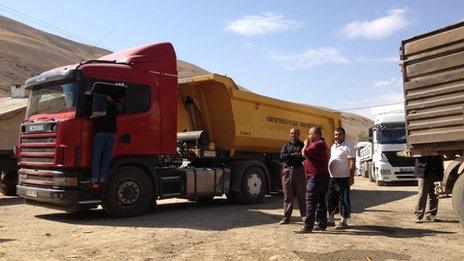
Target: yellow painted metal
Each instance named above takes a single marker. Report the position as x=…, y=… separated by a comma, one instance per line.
x=239, y=120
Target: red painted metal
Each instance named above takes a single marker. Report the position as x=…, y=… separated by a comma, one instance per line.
x=47, y=173
x=151, y=133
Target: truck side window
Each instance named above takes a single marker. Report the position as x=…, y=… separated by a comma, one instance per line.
x=137, y=98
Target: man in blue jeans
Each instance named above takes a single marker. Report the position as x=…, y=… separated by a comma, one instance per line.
x=316, y=154
x=103, y=142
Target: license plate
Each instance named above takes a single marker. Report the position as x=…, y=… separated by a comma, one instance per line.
x=31, y=193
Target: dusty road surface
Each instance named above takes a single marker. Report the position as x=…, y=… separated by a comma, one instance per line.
x=381, y=229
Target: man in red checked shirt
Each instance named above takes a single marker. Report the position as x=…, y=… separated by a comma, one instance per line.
x=316, y=161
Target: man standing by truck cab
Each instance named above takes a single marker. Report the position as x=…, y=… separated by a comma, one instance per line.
x=341, y=169
x=104, y=137
x=428, y=170
x=293, y=176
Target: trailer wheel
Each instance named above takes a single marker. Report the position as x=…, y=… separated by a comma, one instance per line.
x=458, y=198
x=129, y=192
x=253, y=186
x=8, y=182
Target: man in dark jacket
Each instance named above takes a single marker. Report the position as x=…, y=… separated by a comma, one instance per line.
x=316, y=162
x=293, y=176
x=428, y=170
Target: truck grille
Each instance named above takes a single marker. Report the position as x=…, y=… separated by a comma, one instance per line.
x=397, y=161
x=37, y=148
x=404, y=174
x=35, y=178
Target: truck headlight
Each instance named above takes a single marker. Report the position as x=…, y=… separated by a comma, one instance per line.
x=383, y=157
x=385, y=172
x=60, y=181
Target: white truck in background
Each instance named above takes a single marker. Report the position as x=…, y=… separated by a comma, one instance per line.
x=362, y=157
x=385, y=160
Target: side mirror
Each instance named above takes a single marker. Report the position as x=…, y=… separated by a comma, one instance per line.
x=371, y=135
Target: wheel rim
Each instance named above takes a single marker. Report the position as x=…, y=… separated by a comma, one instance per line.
x=127, y=192
x=254, y=184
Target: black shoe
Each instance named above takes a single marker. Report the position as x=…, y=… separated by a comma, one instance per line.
x=305, y=230
x=341, y=225
x=432, y=218
x=319, y=229
x=284, y=221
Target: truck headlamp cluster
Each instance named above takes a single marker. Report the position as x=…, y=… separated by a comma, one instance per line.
x=60, y=181
x=385, y=172
x=383, y=157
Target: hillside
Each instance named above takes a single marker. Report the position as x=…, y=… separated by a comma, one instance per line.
x=27, y=51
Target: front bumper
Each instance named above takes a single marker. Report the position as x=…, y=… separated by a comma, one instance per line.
x=387, y=173
x=54, y=197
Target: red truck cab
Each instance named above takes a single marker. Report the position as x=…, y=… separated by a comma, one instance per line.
x=55, y=140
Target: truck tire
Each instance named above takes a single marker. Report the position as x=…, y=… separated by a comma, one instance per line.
x=458, y=198
x=253, y=186
x=365, y=174
x=128, y=192
x=372, y=174
x=8, y=182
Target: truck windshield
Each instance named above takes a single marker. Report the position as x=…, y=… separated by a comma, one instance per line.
x=392, y=136
x=53, y=99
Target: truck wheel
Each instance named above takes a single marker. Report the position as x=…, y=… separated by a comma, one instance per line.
x=458, y=198
x=366, y=174
x=129, y=192
x=372, y=175
x=8, y=182
x=253, y=186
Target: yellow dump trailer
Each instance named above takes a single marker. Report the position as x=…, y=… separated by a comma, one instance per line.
x=242, y=121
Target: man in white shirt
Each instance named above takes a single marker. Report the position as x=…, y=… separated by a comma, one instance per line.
x=341, y=169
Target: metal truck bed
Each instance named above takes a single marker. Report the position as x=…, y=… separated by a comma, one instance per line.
x=433, y=75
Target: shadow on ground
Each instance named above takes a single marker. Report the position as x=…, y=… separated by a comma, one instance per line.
x=218, y=215
x=392, y=232
x=6, y=201
x=364, y=199
x=3, y=240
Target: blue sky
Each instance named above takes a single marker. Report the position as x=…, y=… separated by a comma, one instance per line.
x=337, y=54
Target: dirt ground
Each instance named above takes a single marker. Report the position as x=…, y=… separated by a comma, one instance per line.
x=381, y=229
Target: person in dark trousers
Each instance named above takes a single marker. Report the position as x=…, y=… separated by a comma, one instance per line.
x=316, y=161
x=341, y=169
x=103, y=141
x=428, y=170
x=293, y=176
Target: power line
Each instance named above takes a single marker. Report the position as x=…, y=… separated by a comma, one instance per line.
x=368, y=107
x=46, y=25
x=108, y=34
